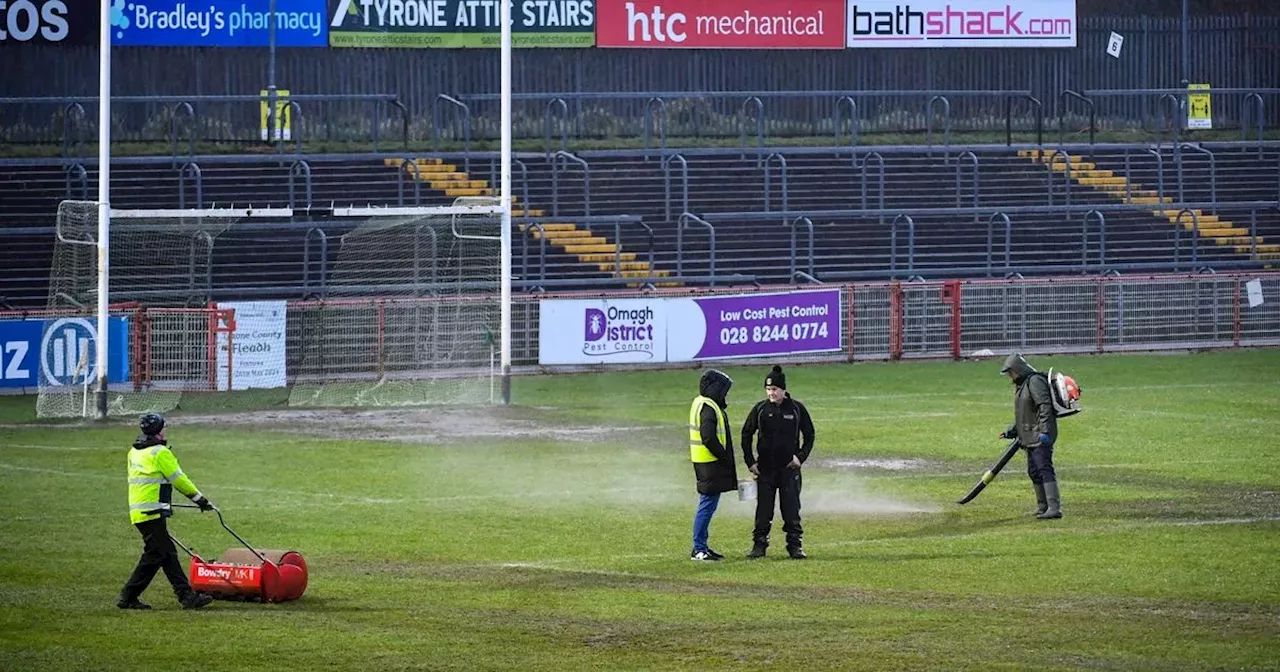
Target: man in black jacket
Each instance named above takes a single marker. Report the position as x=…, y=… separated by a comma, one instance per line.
x=786, y=439
x=1035, y=426
x=711, y=450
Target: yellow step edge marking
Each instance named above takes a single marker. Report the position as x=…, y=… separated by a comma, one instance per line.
x=588, y=249
x=607, y=258
x=626, y=266
x=1224, y=233
x=456, y=184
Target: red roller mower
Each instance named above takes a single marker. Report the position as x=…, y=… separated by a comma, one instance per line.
x=247, y=574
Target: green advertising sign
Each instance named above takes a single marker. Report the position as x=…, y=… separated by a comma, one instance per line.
x=453, y=24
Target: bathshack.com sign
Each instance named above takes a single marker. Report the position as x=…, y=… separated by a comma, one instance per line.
x=448, y=24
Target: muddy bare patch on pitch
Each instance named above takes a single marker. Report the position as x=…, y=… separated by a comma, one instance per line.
x=420, y=425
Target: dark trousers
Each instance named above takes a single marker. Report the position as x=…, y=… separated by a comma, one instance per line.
x=784, y=484
x=1040, y=465
x=158, y=552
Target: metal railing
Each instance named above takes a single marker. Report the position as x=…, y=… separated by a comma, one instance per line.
x=189, y=119
x=563, y=158
x=784, y=193
x=666, y=184
x=687, y=220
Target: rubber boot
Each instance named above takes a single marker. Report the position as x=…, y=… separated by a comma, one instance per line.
x=1042, y=504
x=758, y=549
x=1055, y=501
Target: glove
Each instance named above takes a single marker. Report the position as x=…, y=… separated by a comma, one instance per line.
x=1045, y=440
x=204, y=503
x=1008, y=434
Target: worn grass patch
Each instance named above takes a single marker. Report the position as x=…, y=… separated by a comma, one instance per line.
x=554, y=535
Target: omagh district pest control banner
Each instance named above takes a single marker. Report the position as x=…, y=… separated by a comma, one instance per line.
x=961, y=23
x=460, y=23
x=721, y=24
x=631, y=331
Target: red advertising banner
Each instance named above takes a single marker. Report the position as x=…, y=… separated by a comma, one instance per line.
x=721, y=24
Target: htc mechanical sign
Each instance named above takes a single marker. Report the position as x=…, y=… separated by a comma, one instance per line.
x=33, y=20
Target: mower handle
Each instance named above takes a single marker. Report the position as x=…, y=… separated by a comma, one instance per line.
x=225, y=527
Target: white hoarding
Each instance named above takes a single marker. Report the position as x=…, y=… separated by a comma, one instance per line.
x=602, y=331
x=257, y=346
x=917, y=24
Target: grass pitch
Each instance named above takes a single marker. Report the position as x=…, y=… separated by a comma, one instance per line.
x=555, y=534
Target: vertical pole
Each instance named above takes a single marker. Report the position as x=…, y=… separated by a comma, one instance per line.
x=272, y=121
x=104, y=198
x=1186, y=43
x=504, y=17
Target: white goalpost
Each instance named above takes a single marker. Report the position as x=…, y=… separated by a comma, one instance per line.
x=411, y=311
x=101, y=240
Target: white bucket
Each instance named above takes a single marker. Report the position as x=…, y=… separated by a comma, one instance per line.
x=747, y=490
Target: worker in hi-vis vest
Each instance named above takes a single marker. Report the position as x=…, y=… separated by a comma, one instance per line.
x=711, y=449
x=153, y=474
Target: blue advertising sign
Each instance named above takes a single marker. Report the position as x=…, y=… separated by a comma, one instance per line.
x=218, y=23
x=60, y=351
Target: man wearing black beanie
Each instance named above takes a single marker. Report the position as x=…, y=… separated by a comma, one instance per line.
x=785, y=442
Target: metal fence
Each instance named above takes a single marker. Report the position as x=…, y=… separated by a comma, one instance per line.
x=1226, y=51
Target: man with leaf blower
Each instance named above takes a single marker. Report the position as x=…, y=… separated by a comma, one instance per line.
x=1035, y=426
x=153, y=474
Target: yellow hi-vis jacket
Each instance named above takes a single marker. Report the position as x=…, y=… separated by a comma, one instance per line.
x=698, y=452
x=153, y=473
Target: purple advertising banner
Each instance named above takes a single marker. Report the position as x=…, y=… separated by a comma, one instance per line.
x=749, y=325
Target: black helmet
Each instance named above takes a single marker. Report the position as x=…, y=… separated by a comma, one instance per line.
x=151, y=424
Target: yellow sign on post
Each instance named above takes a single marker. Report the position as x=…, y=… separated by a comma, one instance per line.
x=1199, y=108
x=284, y=116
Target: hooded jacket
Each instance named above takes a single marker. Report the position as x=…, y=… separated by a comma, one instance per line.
x=721, y=475
x=1033, y=412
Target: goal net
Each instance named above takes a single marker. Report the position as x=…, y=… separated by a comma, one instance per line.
x=406, y=309
x=412, y=311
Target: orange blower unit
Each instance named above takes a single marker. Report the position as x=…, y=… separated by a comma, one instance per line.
x=248, y=574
